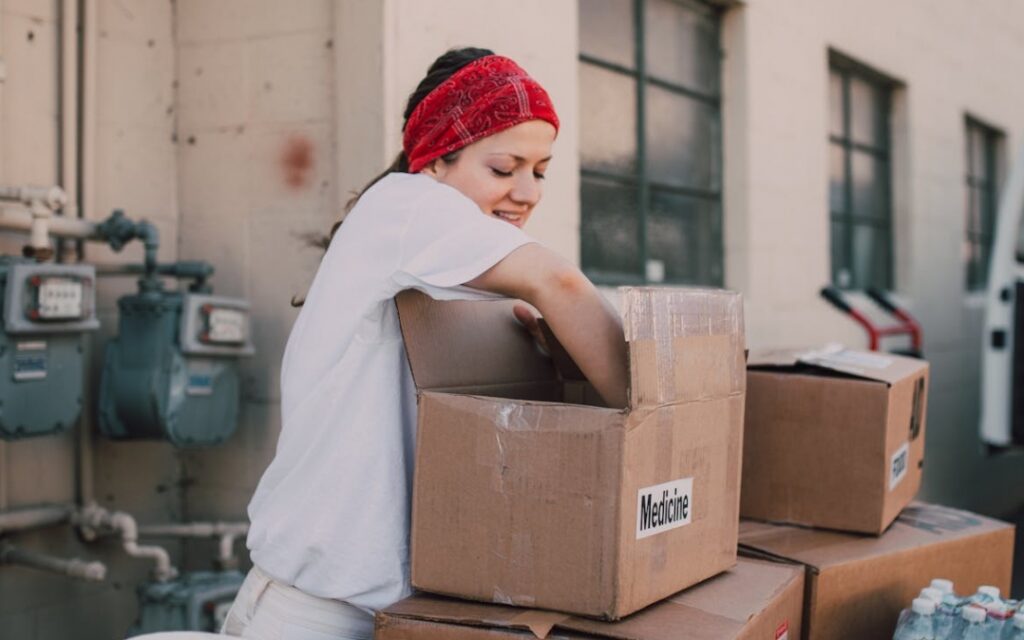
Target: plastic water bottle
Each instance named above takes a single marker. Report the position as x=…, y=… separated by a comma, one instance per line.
x=947, y=611
x=943, y=585
x=1015, y=629
x=997, y=610
x=920, y=624
x=973, y=625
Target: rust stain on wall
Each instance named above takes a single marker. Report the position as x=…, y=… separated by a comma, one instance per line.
x=297, y=161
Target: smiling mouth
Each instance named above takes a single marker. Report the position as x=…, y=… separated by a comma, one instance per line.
x=516, y=219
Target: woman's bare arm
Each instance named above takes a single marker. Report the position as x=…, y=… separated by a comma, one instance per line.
x=586, y=325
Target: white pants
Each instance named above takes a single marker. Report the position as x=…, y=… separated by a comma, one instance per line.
x=265, y=609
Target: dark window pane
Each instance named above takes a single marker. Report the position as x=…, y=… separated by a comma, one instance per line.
x=977, y=137
x=865, y=113
x=973, y=210
x=681, y=137
x=870, y=264
x=682, y=237
x=840, y=259
x=680, y=45
x=606, y=30
x=610, y=228
x=868, y=188
x=836, y=179
x=607, y=120
x=835, y=103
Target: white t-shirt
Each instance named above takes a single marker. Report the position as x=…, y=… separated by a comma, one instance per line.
x=331, y=513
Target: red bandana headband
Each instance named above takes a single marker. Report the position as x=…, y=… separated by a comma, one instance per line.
x=482, y=98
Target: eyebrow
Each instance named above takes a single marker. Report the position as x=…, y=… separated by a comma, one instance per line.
x=518, y=158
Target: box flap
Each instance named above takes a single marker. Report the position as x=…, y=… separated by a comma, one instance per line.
x=718, y=608
x=464, y=343
x=882, y=367
x=684, y=344
x=918, y=525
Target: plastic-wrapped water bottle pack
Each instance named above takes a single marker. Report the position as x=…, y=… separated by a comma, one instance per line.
x=938, y=613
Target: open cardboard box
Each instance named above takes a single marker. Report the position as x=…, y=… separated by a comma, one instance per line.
x=529, y=493
x=833, y=438
x=755, y=600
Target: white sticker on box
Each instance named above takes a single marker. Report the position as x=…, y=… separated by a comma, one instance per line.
x=898, y=465
x=855, y=359
x=664, y=507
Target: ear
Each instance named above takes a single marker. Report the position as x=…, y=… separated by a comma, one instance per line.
x=436, y=169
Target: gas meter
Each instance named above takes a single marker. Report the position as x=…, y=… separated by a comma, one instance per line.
x=172, y=371
x=46, y=309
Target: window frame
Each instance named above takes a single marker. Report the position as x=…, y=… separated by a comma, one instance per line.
x=640, y=180
x=989, y=184
x=849, y=69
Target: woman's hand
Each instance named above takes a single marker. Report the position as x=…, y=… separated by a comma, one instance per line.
x=529, y=321
x=586, y=325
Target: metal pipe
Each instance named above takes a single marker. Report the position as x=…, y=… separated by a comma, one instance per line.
x=227, y=532
x=22, y=220
x=34, y=517
x=94, y=520
x=68, y=114
x=92, y=571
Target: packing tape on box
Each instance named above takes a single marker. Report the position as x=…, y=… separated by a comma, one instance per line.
x=539, y=622
x=677, y=339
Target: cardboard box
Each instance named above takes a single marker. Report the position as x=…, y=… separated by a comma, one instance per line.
x=753, y=601
x=856, y=584
x=833, y=438
x=524, y=499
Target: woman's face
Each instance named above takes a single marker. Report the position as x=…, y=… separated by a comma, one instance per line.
x=503, y=173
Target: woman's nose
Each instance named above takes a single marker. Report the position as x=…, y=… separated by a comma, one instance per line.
x=526, y=190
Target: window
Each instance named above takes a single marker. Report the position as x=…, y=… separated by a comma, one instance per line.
x=859, y=176
x=980, y=206
x=650, y=146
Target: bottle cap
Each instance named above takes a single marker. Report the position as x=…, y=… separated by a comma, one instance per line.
x=923, y=606
x=972, y=613
x=989, y=590
x=932, y=594
x=943, y=585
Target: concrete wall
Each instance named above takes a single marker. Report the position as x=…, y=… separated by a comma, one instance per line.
x=953, y=58
x=133, y=162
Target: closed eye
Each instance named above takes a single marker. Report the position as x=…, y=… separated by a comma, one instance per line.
x=501, y=174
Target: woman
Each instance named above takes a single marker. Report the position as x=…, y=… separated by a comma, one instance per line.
x=330, y=517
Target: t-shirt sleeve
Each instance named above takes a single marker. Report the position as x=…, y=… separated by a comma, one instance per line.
x=448, y=242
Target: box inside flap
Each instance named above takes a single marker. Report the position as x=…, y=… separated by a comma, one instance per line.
x=919, y=524
x=462, y=343
x=881, y=367
x=684, y=344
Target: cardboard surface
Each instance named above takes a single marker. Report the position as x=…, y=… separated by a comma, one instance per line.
x=755, y=600
x=857, y=584
x=564, y=506
x=833, y=438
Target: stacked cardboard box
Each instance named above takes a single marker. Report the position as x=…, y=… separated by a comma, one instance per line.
x=834, y=450
x=543, y=511
x=857, y=584
x=754, y=600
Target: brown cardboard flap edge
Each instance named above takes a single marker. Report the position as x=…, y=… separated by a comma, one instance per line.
x=880, y=367
x=463, y=343
x=666, y=327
